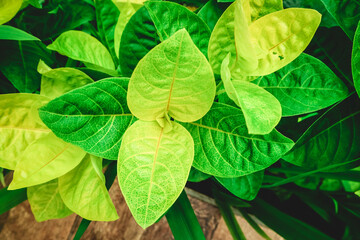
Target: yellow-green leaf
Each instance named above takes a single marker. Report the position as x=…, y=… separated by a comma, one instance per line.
x=45, y=159
x=283, y=36
x=262, y=111
x=8, y=9
x=153, y=167
x=83, y=190
x=260, y=8
x=46, y=203
x=173, y=78
x=20, y=125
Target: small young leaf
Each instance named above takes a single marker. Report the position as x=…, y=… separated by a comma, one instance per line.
x=355, y=60
x=262, y=111
x=283, y=36
x=56, y=82
x=11, y=33
x=45, y=159
x=303, y=86
x=8, y=9
x=83, y=187
x=83, y=47
x=173, y=78
x=224, y=148
x=93, y=117
x=46, y=203
x=153, y=167
x=245, y=187
x=20, y=125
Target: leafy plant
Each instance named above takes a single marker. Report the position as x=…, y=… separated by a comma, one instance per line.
x=161, y=95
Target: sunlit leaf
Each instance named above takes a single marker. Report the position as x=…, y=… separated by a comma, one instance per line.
x=224, y=148
x=46, y=203
x=11, y=33
x=45, y=159
x=83, y=190
x=260, y=8
x=20, y=125
x=305, y=85
x=83, y=47
x=8, y=9
x=174, y=78
x=153, y=167
x=93, y=117
x=355, y=60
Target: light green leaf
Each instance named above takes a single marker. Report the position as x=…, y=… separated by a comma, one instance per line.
x=283, y=36
x=153, y=167
x=332, y=139
x=224, y=148
x=93, y=117
x=83, y=47
x=260, y=8
x=355, y=60
x=56, y=82
x=262, y=111
x=11, y=33
x=20, y=125
x=173, y=78
x=45, y=159
x=245, y=187
x=8, y=9
x=357, y=193
x=46, y=203
x=83, y=190
x=305, y=85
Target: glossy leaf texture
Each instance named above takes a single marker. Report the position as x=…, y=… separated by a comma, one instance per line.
x=107, y=15
x=93, y=117
x=283, y=36
x=20, y=64
x=8, y=9
x=245, y=187
x=355, y=60
x=11, y=33
x=223, y=147
x=346, y=13
x=83, y=47
x=305, y=85
x=173, y=78
x=56, y=82
x=153, y=167
x=156, y=22
x=332, y=139
x=260, y=8
x=43, y=160
x=46, y=203
x=262, y=111
x=20, y=125
x=83, y=190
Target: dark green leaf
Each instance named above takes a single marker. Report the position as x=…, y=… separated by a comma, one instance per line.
x=9, y=199
x=197, y=176
x=355, y=61
x=211, y=12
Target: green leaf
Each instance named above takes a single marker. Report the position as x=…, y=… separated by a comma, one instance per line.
x=11, y=33
x=357, y=193
x=154, y=22
x=346, y=13
x=254, y=225
x=224, y=148
x=355, y=60
x=211, y=12
x=303, y=86
x=260, y=8
x=197, y=176
x=182, y=220
x=43, y=160
x=153, y=167
x=85, y=186
x=56, y=82
x=83, y=47
x=283, y=36
x=36, y=3
x=173, y=78
x=20, y=125
x=245, y=187
x=262, y=111
x=46, y=203
x=10, y=199
x=93, y=117
x=20, y=63
x=8, y=9
x=107, y=15
x=332, y=139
